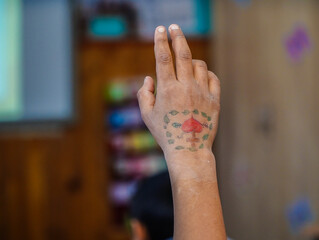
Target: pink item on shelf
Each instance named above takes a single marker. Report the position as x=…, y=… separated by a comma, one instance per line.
x=121, y=192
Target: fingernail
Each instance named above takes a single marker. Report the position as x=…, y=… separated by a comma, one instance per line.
x=161, y=29
x=146, y=78
x=174, y=27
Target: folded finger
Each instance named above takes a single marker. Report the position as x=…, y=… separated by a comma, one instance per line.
x=200, y=72
x=146, y=97
x=214, y=85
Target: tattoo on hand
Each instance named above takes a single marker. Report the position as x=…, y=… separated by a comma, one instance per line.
x=191, y=136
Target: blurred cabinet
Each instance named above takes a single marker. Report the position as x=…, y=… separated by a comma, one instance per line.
x=267, y=143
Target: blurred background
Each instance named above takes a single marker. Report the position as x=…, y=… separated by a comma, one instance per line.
x=72, y=142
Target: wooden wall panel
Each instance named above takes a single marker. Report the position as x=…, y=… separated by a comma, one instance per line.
x=268, y=139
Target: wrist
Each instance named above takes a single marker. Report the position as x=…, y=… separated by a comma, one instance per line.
x=172, y=154
x=200, y=165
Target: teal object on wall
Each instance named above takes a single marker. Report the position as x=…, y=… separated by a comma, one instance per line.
x=201, y=23
x=204, y=10
x=108, y=27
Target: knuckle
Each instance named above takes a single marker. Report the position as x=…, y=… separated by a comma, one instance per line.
x=164, y=57
x=140, y=94
x=161, y=40
x=179, y=35
x=213, y=76
x=200, y=63
x=185, y=55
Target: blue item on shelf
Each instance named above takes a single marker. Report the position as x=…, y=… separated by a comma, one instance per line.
x=125, y=118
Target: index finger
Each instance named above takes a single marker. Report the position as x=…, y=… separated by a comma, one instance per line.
x=164, y=62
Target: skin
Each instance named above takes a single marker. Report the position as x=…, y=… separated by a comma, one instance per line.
x=139, y=231
x=192, y=168
x=311, y=231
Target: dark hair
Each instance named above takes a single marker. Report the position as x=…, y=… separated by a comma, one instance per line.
x=152, y=205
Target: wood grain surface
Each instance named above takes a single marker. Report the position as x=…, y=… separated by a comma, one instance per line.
x=268, y=153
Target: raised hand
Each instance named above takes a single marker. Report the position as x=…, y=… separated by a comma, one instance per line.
x=183, y=116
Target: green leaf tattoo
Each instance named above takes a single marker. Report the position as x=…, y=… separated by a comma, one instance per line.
x=196, y=111
x=205, y=137
x=204, y=114
x=176, y=125
x=209, y=118
x=174, y=112
x=201, y=146
x=171, y=141
x=168, y=134
x=166, y=119
x=210, y=126
x=179, y=148
x=186, y=112
x=192, y=149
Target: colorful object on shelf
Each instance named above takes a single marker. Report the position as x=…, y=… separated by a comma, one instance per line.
x=121, y=192
x=143, y=141
x=299, y=214
x=124, y=118
x=132, y=150
x=137, y=141
x=140, y=166
x=298, y=43
x=118, y=90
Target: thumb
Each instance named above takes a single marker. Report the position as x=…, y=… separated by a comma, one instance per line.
x=145, y=96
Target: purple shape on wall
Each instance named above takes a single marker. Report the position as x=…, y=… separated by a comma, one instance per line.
x=297, y=43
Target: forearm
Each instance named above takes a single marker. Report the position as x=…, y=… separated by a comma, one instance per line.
x=197, y=207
